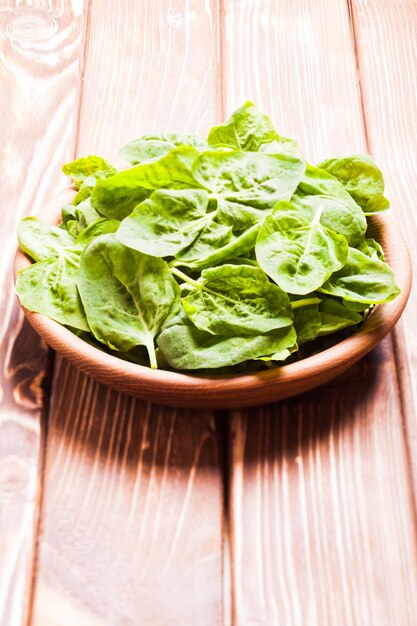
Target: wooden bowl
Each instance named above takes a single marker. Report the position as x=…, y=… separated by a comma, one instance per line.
x=185, y=390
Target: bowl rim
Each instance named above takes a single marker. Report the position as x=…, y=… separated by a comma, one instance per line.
x=146, y=382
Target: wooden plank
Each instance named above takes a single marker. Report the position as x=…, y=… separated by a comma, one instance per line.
x=387, y=55
x=322, y=525
x=132, y=519
x=40, y=67
x=295, y=60
x=132, y=511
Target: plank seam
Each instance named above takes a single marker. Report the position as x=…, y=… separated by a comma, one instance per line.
x=358, y=72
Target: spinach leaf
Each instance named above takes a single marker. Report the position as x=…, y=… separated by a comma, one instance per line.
x=372, y=248
x=82, y=168
x=40, y=240
x=118, y=195
x=362, y=279
x=298, y=254
x=345, y=218
x=49, y=287
x=127, y=295
x=185, y=347
x=154, y=146
x=167, y=222
x=217, y=244
x=246, y=129
x=76, y=218
x=283, y=145
x=86, y=188
x=260, y=180
x=307, y=321
x=335, y=316
x=177, y=223
x=361, y=178
x=231, y=299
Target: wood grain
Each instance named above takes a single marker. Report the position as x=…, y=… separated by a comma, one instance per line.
x=322, y=517
x=161, y=61
x=295, y=60
x=386, y=37
x=40, y=72
x=131, y=529
x=132, y=518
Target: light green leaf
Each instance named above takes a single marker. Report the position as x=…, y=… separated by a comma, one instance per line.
x=154, y=146
x=260, y=180
x=237, y=299
x=117, y=196
x=167, y=222
x=283, y=145
x=299, y=255
x=246, y=129
x=345, y=218
x=361, y=178
x=363, y=279
x=217, y=244
x=49, y=287
x=40, y=240
x=82, y=168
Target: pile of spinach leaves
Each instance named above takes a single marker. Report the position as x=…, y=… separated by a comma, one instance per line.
x=224, y=254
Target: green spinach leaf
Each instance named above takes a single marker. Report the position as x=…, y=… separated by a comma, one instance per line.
x=298, y=254
x=231, y=299
x=150, y=147
x=41, y=241
x=49, y=287
x=85, y=167
x=362, y=279
x=185, y=347
x=127, y=295
x=361, y=178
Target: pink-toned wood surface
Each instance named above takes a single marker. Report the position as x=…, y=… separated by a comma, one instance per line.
x=386, y=41
x=322, y=511
x=131, y=528
x=319, y=492
x=41, y=51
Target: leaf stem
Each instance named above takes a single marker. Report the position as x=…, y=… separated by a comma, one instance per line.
x=152, y=355
x=186, y=278
x=306, y=302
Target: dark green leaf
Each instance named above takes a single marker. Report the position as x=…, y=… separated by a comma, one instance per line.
x=188, y=348
x=127, y=295
x=335, y=316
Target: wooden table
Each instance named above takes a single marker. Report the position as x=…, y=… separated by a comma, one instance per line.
x=118, y=513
